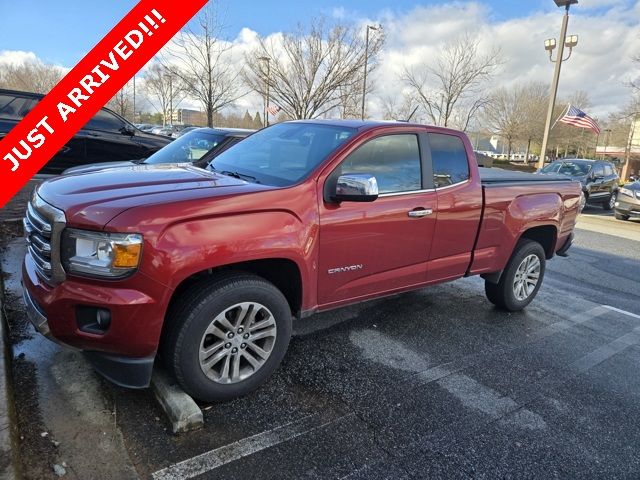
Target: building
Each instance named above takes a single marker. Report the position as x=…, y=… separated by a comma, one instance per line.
x=185, y=116
x=618, y=153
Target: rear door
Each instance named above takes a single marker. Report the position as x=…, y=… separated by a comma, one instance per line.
x=372, y=248
x=459, y=195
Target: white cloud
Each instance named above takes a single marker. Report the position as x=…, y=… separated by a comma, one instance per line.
x=609, y=32
x=17, y=57
x=600, y=65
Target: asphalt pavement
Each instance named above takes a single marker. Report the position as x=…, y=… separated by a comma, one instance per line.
x=430, y=384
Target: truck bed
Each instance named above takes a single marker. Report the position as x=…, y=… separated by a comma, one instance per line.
x=493, y=176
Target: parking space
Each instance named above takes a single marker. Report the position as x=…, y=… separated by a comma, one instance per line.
x=435, y=383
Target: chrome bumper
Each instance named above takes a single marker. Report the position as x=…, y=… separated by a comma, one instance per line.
x=36, y=316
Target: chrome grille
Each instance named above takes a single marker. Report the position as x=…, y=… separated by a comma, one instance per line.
x=43, y=225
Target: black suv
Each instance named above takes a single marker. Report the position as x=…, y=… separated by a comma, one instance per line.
x=599, y=179
x=106, y=137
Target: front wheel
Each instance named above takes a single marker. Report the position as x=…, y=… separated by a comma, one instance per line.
x=521, y=279
x=611, y=202
x=226, y=337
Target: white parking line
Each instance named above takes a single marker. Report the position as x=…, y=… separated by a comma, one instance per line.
x=624, y=312
x=213, y=459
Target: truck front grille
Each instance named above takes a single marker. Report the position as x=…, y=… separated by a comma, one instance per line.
x=43, y=225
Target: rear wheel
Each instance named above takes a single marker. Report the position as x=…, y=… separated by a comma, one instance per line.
x=521, y=279
x=226, y=338
x=611, y=202
x=620, y=216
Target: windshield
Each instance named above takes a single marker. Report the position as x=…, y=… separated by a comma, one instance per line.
x=283, y=154
x=573, y=169
x=187, y=149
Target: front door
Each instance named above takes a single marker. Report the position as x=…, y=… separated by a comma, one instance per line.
x=380, y=246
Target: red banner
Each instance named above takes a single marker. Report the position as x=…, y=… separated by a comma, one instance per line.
x=88, y=87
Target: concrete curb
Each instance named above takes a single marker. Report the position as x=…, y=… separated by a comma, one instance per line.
x=183, y=412
x=9, y=448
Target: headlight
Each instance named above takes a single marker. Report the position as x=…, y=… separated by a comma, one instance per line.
x=626, y=191
x=102, y=254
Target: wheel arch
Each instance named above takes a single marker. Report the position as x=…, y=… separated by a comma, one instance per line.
x=284, y=273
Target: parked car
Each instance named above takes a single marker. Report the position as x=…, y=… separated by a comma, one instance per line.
x=599, y=179
x=106, y=137
x=148, y=127
x=484, y=160
x=628, y=202
x=208, y=268
x=185, y=130
x=197, y=147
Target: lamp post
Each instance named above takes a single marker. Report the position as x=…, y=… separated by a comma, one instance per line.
x=607, y=139
x=550, y=45
x=168, y=77
x=366, y=62
x=267, y=93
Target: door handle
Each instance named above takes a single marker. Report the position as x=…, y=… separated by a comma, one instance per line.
x=420, y=212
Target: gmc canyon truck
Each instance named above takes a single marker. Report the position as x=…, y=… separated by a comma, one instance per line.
x=207, y=268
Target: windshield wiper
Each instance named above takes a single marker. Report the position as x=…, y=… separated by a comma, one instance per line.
x=238, y=175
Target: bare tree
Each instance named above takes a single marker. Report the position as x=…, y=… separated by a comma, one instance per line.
x=396, y=107
x=504, y=114
x=165, y=90
x=202, y=61
x=33, y=76
x=312, y=71
x=450, y=89
x=535, y=101
x=122, y=102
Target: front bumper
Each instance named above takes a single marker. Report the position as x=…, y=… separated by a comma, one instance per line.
x=125, y=353
x=624, y=207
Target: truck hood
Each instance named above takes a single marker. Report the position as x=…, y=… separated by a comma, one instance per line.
x=92, y=199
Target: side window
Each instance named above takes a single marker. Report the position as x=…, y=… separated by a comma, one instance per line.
x=393, y=159
x=598, y=170
x=104, y=120
x=450, y=165
x=14, y=108
x=608, y=170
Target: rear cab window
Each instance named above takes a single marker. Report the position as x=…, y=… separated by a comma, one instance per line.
x=449, y=158
x=13, y=107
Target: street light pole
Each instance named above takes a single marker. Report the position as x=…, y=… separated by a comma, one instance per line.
x=267, y=90
x=134, y=99
x=170, y=100
x=607, y=139
x=556, y=78
x=366, y=62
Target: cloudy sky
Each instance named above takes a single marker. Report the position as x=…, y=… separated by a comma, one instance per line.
x=609, y=32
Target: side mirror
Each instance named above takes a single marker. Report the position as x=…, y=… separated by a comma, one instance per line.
x=127, y=130
x=356, y=188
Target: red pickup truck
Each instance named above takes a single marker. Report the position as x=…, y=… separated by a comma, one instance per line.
x=207, y=268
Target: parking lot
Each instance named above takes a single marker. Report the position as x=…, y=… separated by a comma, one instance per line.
x=430, y=384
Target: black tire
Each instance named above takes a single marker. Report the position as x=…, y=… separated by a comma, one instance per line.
x=610, y=203
x=620, y=216
x=190, y=316
x=502, y=294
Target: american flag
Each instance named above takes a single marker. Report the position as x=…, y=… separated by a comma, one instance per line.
x=578, y=118
x=273, y=110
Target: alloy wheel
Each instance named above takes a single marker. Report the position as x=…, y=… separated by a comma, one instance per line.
x=237, y=343
x=526, y=278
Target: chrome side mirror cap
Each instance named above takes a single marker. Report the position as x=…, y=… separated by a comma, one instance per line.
x=356, y=187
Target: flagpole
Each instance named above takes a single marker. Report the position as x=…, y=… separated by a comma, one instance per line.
x=562, y=115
